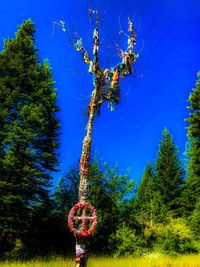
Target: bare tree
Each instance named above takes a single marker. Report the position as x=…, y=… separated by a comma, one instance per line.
x=106, y=88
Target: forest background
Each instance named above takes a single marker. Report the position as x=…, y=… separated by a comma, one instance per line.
x=162, y=212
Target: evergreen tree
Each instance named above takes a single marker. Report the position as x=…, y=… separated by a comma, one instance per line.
x=192, y=189
x=29, y=132
x=195, y=220
x=149, y=201
x=131, y=213
x=66, y=192
x=169, y=175
x=145, y=196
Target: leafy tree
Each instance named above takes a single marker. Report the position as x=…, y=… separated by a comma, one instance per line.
x=192, y=189
x=107, y=191
x=169, y=175
x=29, y=132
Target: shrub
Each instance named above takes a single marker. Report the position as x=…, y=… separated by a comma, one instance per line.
x=126, y=242
x=173, y=238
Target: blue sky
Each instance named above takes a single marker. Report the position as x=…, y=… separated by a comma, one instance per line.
x=169, y=62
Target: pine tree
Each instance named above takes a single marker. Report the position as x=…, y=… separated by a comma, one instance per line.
x=169, y=175
x=192, y=189
x=149, y=201
x=29, y=131
x=66, y=192
x=145, y=195
x=195, y=220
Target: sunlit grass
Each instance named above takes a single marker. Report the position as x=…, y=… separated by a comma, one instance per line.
x=151, y=260
x=52, y=262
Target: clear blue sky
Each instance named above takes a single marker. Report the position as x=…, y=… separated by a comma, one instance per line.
x=170, y=61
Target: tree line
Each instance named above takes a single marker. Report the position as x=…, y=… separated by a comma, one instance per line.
x=161, y=214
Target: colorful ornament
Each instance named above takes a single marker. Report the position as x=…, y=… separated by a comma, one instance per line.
x=106, y=83
x=83, y=232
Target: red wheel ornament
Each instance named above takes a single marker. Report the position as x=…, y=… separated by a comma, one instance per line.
x=83, y=232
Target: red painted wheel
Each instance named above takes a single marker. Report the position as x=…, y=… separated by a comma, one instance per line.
x=82, y=232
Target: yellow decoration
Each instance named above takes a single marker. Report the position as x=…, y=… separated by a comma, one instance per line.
x=91, y=67
x=94, y=92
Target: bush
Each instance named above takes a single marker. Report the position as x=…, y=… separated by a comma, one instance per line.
x=126, y=242
x=172, y=239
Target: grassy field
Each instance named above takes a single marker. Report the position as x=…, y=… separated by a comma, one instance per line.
x=151, y=260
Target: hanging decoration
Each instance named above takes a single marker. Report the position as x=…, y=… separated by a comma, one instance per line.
x=106, y=88
x=106, y=81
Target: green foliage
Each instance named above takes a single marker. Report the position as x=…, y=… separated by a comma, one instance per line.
x=145, y=196
x=195, y=221
x=107, y=191
x=126, y=242
x=192, y=188
x=159, y=193
x=169, y=175
x=149, y=203
x=130, y=222
x=172, y=238
x=66, y=193
x=130, y=213
x=47, y=233
x=29, y=132
x=145, y=223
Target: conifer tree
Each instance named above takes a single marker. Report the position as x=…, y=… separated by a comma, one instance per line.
x=169, y=175
x=191, y=194
x=66, y=192
x=29, y=132
x=145, y=195
x=149, y=202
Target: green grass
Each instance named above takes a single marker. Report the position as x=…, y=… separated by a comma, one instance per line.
x=151, y=260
